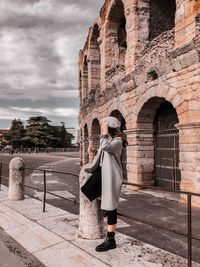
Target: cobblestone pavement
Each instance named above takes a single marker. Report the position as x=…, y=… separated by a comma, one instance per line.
x=155, y=209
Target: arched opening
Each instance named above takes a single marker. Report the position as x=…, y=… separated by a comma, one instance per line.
x=166, y=142
x=85, y=78
x=95, y=59
x=96, y=131
x=80, y=79
x=80, y=86
x=158, y=144
x=85, y=145
x=162, y=17
x=117, y=31
x=81, y=147
x=117, y=114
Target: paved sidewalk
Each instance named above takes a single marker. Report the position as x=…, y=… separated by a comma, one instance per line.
x=14, y=255
x=52, y=238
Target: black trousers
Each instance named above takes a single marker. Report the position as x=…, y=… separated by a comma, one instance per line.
x=112, y=217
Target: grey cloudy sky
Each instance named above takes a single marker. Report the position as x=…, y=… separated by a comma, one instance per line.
x=39, y=46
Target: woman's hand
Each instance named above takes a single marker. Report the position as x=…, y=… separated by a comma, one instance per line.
x=91, y=149
x=104, y=128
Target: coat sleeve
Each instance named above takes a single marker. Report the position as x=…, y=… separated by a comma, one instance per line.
x=110, y=145
x=93, y=166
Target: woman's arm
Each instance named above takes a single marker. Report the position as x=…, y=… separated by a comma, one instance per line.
x=111, y=145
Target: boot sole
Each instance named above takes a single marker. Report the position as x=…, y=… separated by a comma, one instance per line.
x=102, y=250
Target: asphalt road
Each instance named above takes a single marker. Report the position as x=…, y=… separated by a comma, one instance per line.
x=135, y=204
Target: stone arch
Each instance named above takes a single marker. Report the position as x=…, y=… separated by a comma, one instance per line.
x=165, y=92
x=80, y=79
x=94, y=55
x=85, y=77
x=85, y=144
x=116, y=38
x=117, y=114
x=81, y=146
x=149, y=150
x=116, y=106
x=162, y=17
x=80, y=86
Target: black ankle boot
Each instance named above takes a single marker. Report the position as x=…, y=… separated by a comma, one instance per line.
x=109, y=243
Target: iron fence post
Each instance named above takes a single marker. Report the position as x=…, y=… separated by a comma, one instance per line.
x=189, y=230
x=45, y=191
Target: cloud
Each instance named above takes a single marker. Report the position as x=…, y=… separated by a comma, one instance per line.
x=9, y=114
x=60, y=112
x=39, y=43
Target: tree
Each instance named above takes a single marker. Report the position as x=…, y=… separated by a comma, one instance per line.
x=16, y=133
x=38, y=132
x=62, y=137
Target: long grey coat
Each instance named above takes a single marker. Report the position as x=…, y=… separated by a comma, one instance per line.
x=111, y=168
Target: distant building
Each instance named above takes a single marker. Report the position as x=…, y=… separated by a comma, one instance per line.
x=73, y=131
x=3, y=141
x=3, y=131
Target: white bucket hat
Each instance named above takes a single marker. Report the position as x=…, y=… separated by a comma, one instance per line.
x=112, y=122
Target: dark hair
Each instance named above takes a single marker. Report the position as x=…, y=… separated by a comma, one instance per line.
x=117, y=133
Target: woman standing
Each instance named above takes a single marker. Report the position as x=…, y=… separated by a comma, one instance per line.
x=111, y=144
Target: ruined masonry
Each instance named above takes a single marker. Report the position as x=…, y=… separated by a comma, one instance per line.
x=141, y=64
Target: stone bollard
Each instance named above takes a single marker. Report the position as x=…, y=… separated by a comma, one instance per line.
x=91, y=224
x=16, y=179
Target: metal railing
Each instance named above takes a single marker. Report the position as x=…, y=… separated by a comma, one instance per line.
x=187, y=235
x=44, y=190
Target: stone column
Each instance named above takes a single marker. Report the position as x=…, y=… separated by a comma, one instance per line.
x=140, y=156
x=137, y=21
x=91, y=225
x=185, y=27
x=81, y=153
x=189, y=143
x=16, y=179
x=85, y=152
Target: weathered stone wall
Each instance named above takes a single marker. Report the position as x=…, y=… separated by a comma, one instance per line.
x=158, y=65
x=162, y=16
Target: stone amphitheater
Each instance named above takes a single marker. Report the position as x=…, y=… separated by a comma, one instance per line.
x=141, y=64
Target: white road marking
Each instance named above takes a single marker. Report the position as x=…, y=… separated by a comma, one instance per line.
x=65, y=194
x=48, y=182
x=41, y=174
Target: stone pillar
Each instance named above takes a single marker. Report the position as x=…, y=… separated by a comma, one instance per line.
x=137, y=20
x=189, y=144
x=85, y=152
x=140, y=156
x=16, y=179
x=91, y=225
x=185, y=27
x=81, y=153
